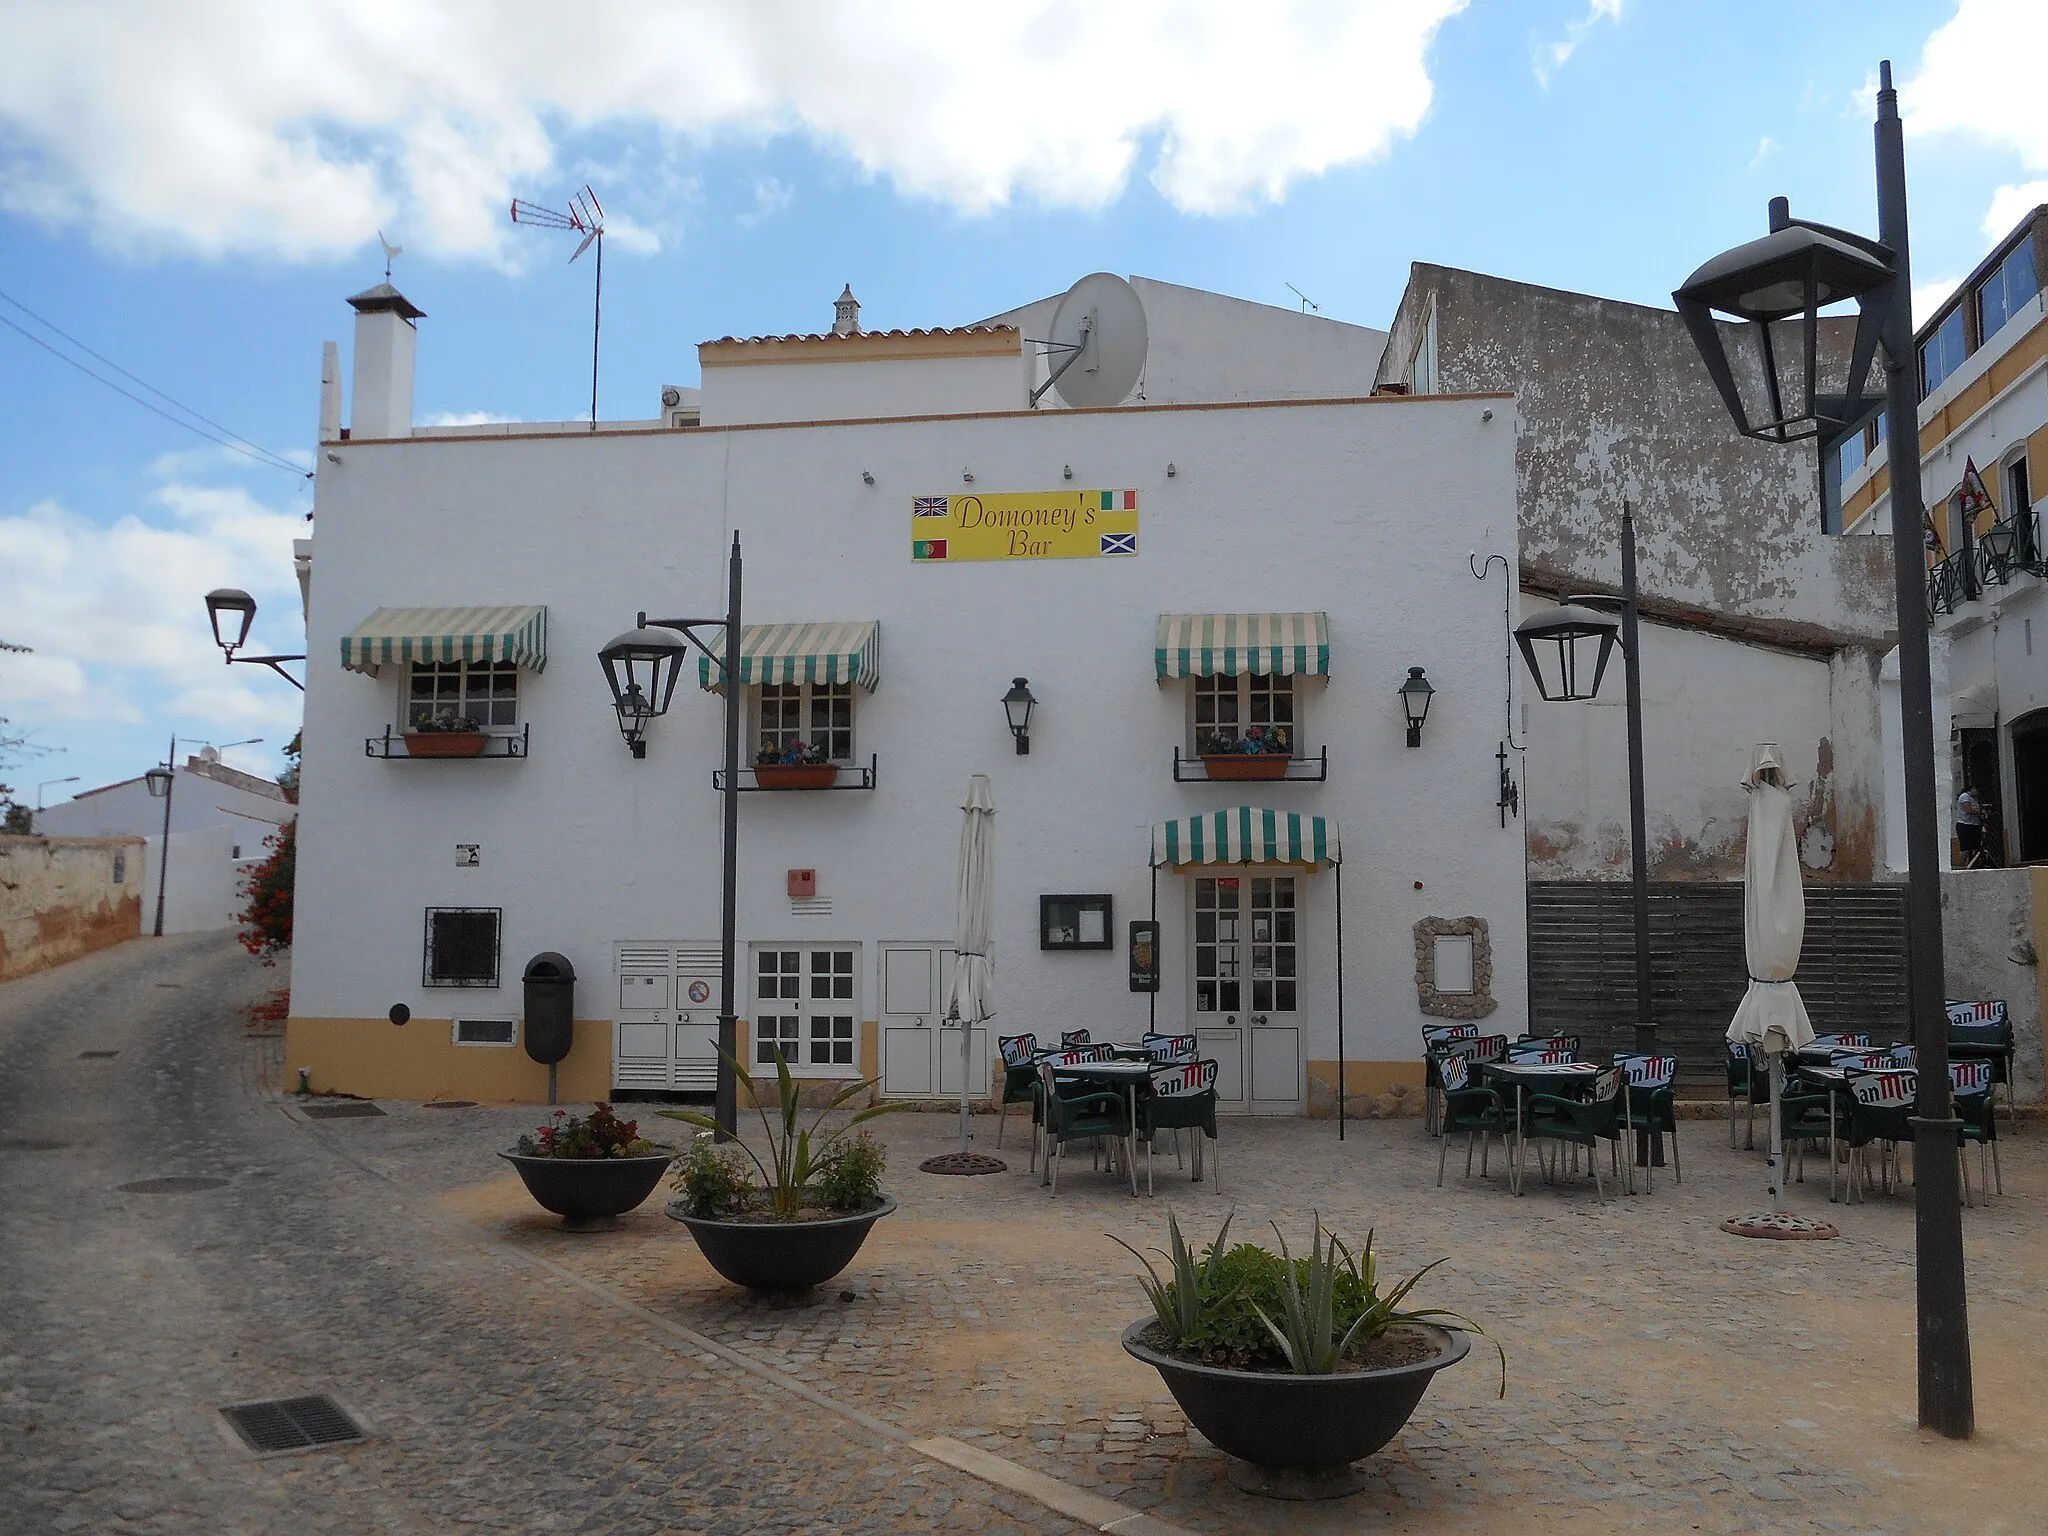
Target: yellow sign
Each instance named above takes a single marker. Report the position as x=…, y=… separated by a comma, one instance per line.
x=1025, y=525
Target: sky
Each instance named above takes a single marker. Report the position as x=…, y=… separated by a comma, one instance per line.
x=191, y=192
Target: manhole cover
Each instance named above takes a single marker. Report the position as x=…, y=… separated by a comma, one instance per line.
x=1780, y=1224
x=31, y=1144
x=356, y=1111
x=450, y=1104
x=177, y=1184
x=293, y=1424
x=963, y=1162
x=97, y=1055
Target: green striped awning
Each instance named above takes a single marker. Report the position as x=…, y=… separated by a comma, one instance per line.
x=1247, y=835
x=1232, y=644
x=848, y=652
x=398, y=635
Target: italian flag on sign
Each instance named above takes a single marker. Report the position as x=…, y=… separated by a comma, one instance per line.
x=1119, y=500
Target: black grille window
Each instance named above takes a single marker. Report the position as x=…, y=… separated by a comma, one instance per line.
x=462, y=947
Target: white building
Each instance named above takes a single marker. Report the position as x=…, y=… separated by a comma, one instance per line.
x=1251, y=538
x=221, y=822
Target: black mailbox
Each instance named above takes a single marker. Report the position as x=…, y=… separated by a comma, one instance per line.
x=550, y=1007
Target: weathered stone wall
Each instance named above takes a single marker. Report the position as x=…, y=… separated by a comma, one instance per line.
x=1991, y=931
x=62, y=897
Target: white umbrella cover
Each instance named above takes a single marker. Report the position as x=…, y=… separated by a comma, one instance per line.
x=971, y=997
x=1771, y=1016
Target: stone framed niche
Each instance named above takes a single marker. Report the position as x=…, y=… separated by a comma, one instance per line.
x=1454, y=967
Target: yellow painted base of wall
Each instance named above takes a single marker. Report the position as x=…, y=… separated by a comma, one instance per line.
x=376, y=1059
x=1373, y=1090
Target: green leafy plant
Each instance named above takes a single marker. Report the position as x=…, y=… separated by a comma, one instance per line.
x=266, y=930
x=798, y=754
x=446, y=720
x=715, y=1181
x=855, y=1177
x=800, y=1159
x=600, y=1134
x=1187, y=1302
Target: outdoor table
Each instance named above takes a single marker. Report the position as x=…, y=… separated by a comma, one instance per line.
x=1110, y=1074
x=1564, y=1078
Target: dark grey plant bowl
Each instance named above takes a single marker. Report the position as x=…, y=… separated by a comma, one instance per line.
x=781, y=1255
x=590, y=1194
x=1292, y=1424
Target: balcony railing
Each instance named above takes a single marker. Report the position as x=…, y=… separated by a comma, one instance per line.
x=2011, y=547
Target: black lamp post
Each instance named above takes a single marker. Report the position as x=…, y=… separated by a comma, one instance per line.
x=1017, y=706
x=161, y=781
x=1415, y=696
x=641, y=667
x=239, y=609
x=1785, y=279
x=1567, y=650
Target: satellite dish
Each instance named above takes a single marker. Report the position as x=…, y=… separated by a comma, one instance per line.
x=1098, y=342
x=209, y=754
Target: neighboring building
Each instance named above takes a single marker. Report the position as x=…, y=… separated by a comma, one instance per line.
x=1251, y=539
x=221, y=820
x=1758, y=625
x=1983, y=361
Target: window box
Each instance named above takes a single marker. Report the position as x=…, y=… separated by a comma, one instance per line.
x=1246, y=765
x=796, y=775
x=445, y=743
x=398, y=747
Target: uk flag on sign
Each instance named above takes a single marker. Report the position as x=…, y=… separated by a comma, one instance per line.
x=1119, y=544
x=927, y=506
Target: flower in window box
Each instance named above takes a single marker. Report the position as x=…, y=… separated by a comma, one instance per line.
x=1262, y=752
x=446, y=734
x=800, y=765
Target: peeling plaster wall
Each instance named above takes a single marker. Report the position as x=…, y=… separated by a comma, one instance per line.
x=59, y=899
x=1988, y=950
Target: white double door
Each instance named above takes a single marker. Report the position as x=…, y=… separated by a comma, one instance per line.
x=920, y=1050
x=1246, y=984
x=665, y=1026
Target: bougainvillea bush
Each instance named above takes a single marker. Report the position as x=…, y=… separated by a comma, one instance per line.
x=267, y=919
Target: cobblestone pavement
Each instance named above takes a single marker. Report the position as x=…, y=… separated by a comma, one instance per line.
x=502, y=1397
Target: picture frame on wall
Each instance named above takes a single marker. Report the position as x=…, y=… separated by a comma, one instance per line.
x=1075, y=922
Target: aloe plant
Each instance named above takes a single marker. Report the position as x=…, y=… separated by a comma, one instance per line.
x=1183, y=1302
x=798, y=1158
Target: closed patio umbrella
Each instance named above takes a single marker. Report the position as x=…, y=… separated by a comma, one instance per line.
x=971, y=998
x=1771, y=1016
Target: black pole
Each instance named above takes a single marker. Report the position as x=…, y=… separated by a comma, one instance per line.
x=1638, y=835
x=1340, y=999
x=596, y=319
x=726, y=1108
x=1152, y=997
x=163, y=855
x=1946, y=1396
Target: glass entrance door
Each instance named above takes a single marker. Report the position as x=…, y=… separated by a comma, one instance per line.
x=1247, y=979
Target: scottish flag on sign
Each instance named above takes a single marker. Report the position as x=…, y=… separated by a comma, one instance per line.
x=1119, y=543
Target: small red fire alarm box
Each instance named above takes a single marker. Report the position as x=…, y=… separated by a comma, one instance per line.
x=803, y=884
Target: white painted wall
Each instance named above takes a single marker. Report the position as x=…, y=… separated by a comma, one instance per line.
x=1292, y=507
x=197, y=800
x=1895, y=760
x=812, y=389
x=207, y=869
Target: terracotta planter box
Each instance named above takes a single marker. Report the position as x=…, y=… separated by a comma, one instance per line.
x=445, y=743
x=795, y=775
x=1246, y=765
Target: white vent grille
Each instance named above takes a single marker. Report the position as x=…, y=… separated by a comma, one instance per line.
x=817, y=906
x=485, y=1031
x=643, y=957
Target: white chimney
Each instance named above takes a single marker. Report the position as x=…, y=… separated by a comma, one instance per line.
x=330, y=392
x=381, y=397
x=846, y=313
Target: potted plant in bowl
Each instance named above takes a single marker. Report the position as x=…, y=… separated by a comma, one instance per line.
x=819, y=1190
x=589, y=1170
x=1295, y=1367
x=1262, y=752
x=446, y=734
x=800, y=765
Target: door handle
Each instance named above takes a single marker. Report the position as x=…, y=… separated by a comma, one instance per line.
x=1256, y=1018
x=1230, y=1018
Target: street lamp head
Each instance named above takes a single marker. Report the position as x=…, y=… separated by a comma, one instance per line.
x=1017, y=706
x=1779, y=285
x=1566, y=649
x=240, y=609
x=1997, y=543
x=159, y=782
x=1415, y=694
x=641, y=666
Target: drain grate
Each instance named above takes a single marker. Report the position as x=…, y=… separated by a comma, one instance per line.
x=450, y=1104
x=355, y=1111
x=177, y=1184
x=293, y=1424
x=97, y=1055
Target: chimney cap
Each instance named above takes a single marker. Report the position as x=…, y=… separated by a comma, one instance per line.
x=383, y=298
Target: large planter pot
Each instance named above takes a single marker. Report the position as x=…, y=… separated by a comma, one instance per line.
x=590, y=1194
x=781, y=1255
x=795, y=775
x=1246, y=765
x=445, y=743
x=1299, y=1433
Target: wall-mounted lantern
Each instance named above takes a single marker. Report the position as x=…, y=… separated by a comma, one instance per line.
x=1415, y=696
x=159, y=781
x=1017, y=707
x=642, y=666
x=1567, y=648
x=239, y=609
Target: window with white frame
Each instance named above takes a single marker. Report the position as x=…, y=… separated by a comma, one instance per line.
x=1422, y=366
x=1229, y=709
x=486, y=692
x=818, y=715
x=806, y=1006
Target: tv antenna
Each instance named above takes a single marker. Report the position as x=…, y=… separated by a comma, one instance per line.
x=390, y=251
x=1307, y=303
x=1099, y=330
x=585, y=215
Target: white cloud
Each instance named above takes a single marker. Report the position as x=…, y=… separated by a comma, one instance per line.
x=1928, y=297
x=463, y=418
x=1765, y=148
x=1977, y=79
x=1554, y=55
x=771, y=196
x=217, y=126
x=2011, y=204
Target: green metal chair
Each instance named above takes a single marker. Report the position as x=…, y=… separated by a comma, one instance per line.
x=1880, y=1112
x=1578, y=1123
x=1182, y=1098
x=1805, y=1117
x=1020, y=1082
x=1982, y=1031
x=1749, y=1082
x=1086, y=1114
x=1971, y=1083
x=1473, y=1111
x=1649, y=1106
x=1434, y=1038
